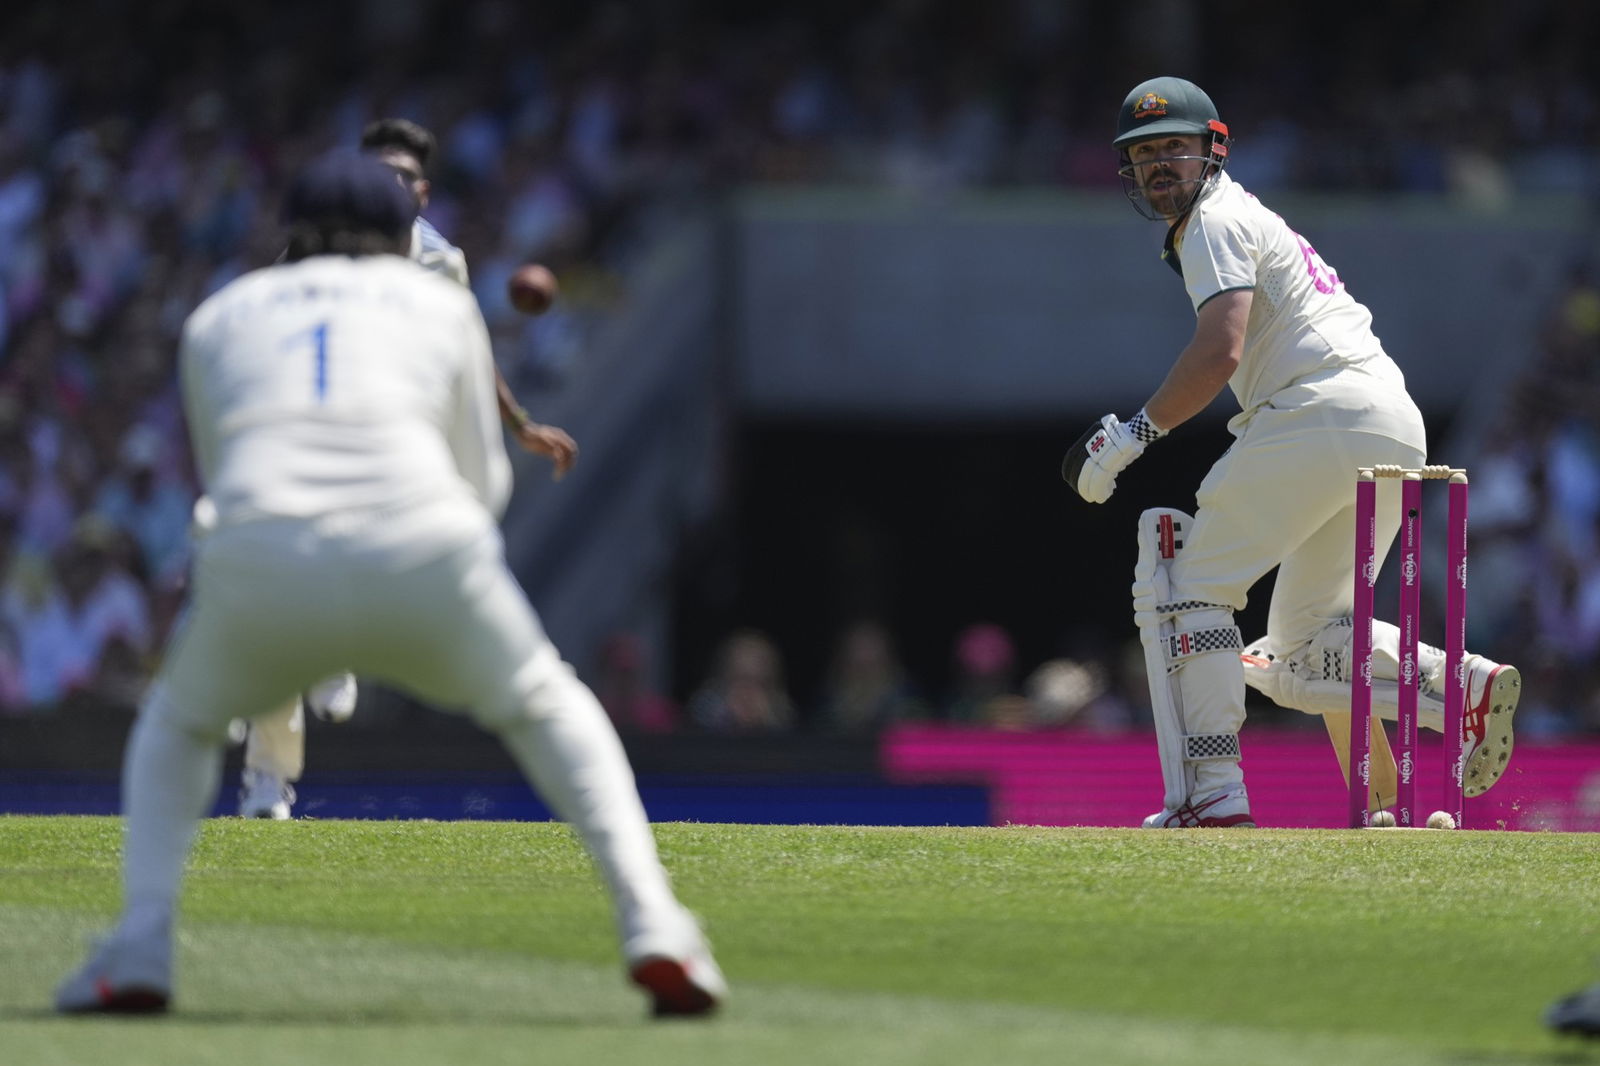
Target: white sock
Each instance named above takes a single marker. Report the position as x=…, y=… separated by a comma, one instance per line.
x=169, y=782
x=575, y=762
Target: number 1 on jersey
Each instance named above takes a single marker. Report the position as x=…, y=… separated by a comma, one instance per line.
x=319, y=359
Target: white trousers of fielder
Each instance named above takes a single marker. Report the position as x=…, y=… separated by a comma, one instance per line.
x=456, y=631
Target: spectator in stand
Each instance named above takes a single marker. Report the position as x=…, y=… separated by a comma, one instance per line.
x=1065, y=692
x=150, y=503
x=623, y=687
x=110, y=608
x=13, y=697
x=33, y=608
x=984, y=691
x=45, y=506
x=745, y=692
x=867, y=688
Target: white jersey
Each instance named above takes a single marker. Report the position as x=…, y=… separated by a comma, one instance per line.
x=1307, y=341
x=355, y=391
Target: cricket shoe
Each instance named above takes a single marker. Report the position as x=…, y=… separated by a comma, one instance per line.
x=124, y=975
x=1578, y=1014
x=1492, y=692
x=676, y=968
x=264, y=795
x=333, y=699
x=1225, y=810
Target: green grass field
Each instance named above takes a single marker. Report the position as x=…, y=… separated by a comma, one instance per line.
x=403, y=943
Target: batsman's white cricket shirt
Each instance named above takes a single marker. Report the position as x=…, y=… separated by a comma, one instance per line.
x=356, y=391
x=1307, y=341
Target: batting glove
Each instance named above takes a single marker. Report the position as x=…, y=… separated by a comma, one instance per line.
x=1092, y=464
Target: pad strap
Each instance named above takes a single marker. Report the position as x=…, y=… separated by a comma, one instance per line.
x=1211, y=747
x=1163, y=611
x=1186, y=645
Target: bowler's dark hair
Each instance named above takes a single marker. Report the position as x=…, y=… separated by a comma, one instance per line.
x=399, y=133
x=307, y=239
x=347, y=203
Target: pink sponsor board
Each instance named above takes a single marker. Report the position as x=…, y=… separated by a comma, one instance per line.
x=1068, y=777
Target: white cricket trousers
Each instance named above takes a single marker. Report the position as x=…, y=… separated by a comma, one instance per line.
x=455, y=629
x=1284, y=496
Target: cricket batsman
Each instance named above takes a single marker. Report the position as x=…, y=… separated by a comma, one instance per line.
x=1318, y=398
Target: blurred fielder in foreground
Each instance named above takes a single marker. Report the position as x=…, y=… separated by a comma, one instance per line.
x=275, y=744
x=1319, y=398
x=343, y=413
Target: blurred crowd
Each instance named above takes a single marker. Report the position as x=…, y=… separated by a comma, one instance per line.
x=142, y=148
x=867, y=687
x=1533, y=597
x=1535, y=520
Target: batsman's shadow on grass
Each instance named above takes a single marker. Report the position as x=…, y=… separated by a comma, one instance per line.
x=388, y=1018
x=1574, y=1054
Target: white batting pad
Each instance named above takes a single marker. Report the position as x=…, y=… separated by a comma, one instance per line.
x=276, y=743
x=1190, y=650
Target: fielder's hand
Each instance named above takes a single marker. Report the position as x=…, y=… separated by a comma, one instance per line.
x=552, y=442
x=1092, y=464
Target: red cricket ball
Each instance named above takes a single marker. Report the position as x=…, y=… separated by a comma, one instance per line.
x=532, y=289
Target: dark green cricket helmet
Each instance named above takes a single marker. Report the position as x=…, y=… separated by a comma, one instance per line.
x=1165, y=105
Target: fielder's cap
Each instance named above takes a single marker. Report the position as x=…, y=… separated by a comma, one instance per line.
x=351, y=192
x=1161, y=106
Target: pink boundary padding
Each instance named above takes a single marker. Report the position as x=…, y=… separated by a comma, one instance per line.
x=1366, y=575
x=1073, y=777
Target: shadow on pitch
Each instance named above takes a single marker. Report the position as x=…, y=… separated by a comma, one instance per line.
x=1572, y=1054
x=377, y=1017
